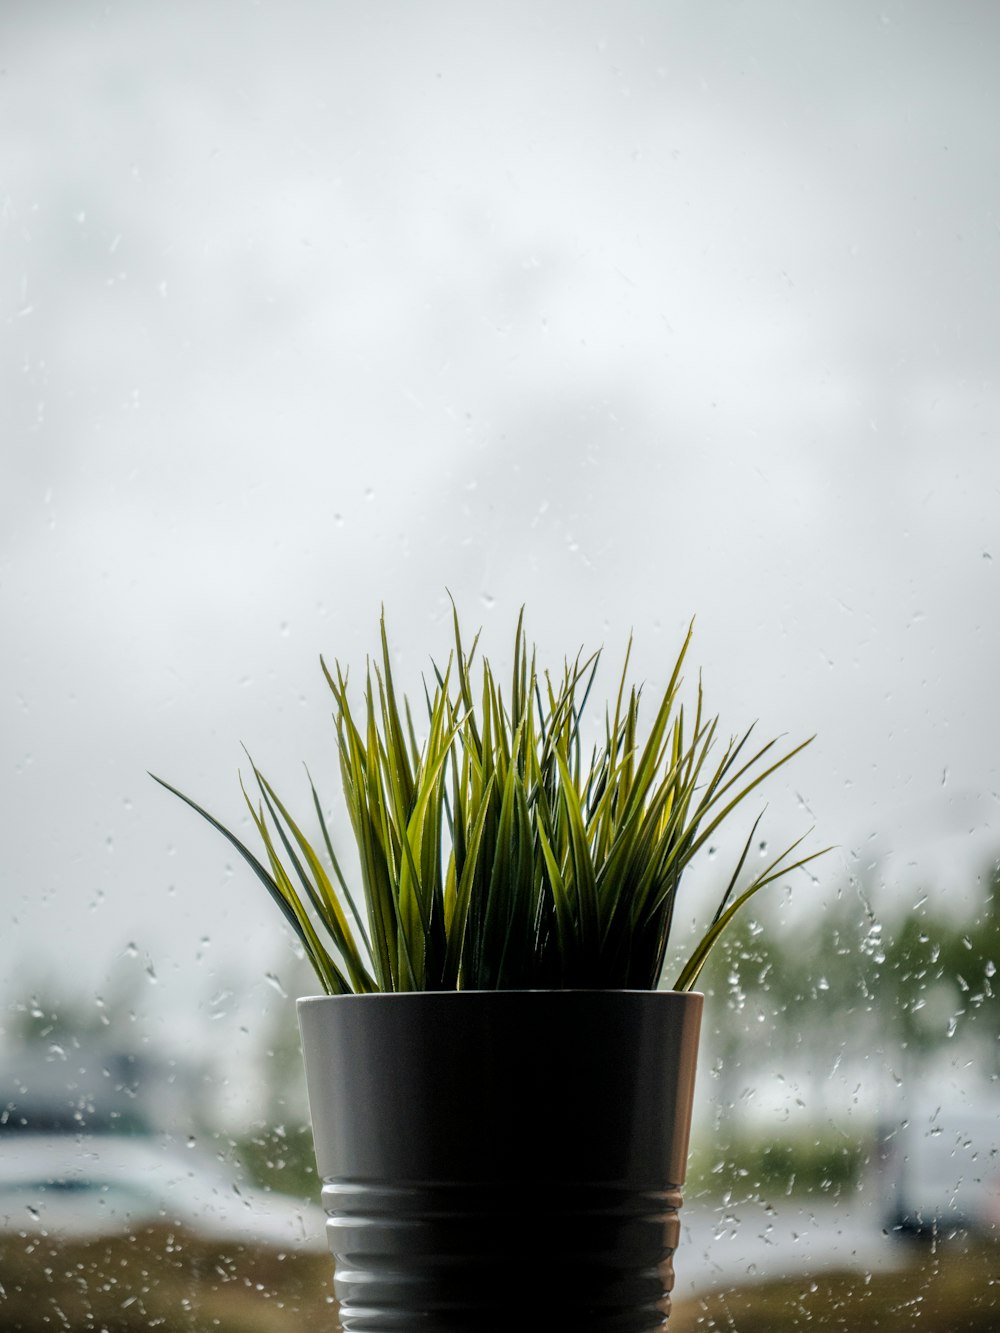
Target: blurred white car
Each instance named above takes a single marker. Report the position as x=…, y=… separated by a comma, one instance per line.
x=940, y=1168
x=86, y=1185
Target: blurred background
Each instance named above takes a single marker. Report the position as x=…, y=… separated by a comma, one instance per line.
x=623, y=313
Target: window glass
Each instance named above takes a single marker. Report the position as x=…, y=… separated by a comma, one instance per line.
x=626, y=314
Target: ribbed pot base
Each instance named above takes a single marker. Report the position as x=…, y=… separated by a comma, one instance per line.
x=458, y=1258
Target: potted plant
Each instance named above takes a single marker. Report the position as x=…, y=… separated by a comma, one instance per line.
x=500, y=1089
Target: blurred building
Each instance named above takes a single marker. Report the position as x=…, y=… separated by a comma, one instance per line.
x=93, y=1085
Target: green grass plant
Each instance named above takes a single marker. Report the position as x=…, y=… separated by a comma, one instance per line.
x=493, y=853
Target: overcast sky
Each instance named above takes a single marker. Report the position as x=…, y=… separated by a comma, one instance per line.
x=626, y=312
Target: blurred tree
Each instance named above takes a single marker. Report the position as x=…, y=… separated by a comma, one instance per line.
x=53, y=1012
x=916, y=987
x=969, y=957
x=847, y=983
x=278, y=1148
x=935, y=981
x=795, y=999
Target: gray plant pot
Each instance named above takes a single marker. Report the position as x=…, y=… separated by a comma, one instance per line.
x=499, y=1158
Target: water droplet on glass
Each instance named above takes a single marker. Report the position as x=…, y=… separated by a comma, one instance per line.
x=991, y=968
x=273, y=981
x=987, y=556
x=151, y=975
x=488, y=600
x=871, y=944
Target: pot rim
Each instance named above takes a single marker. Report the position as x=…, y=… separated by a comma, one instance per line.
x=508, y=991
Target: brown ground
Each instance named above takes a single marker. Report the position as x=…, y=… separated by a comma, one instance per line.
x=165, y=1281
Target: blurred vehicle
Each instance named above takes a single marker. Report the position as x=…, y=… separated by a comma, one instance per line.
x=85, y=1151
x=939, y=1170
x=100, y=1184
